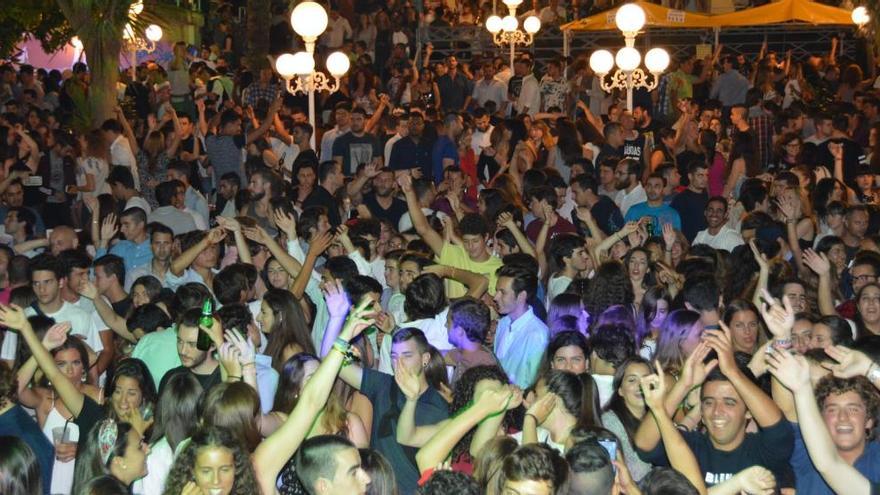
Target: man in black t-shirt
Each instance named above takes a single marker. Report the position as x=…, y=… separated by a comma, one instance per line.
x=356, y=147
x=382, y=202
x=201, y=364
x=607, y=215
x=691, y=202
x=330, y=179
x=729, y=400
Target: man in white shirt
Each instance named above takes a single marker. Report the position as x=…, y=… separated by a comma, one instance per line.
x=482, y=131
x=193, y=200
x=718, y=235
x=401, y=126
x=47, y=279
x=342, y=112
x=529, y=100
x=490, y=88
x=120, y=148
x=338, y=30
x=521, y=337
x=629, y=190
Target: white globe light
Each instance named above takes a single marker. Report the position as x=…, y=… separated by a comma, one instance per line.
x=153, y=32
x=860, y=16
x=285, y=65
x=338, y=64
x=601, y=61
x=630, y=18
x=136, y=8
x=309, y=19
x=128, y=32
x=76, y=43
x=493, y=24
x=512, y=3
x=532, y=24
x=303, y=63
x=656, y=60
x=628, y=58
x=509, y=23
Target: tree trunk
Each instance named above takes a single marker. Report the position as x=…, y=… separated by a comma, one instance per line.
x=259, y=12
x=102, y=53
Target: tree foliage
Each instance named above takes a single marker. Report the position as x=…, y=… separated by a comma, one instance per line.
x=38, y=19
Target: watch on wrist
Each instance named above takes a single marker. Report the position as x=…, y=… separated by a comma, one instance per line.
x=873, y=373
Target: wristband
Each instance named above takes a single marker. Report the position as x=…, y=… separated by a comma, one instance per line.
x=873, y=373
x=782, y=344
x=343, y=345
x=233, y=376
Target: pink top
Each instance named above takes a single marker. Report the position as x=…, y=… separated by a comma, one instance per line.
x=717, y=174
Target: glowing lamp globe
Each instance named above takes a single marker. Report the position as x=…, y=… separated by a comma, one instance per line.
x=303, y=63
x=136, y=8
x=509, y=23
x=76, y=43
x=512, y=4
x=493, y=24
x=337, y=64
x=309, y=19
x=656, y=60
x=601, y=61
x=532, y=24
x=285, y=65
x=153, y=33
x=860, y=16
x=630, y=18
x=628, y=59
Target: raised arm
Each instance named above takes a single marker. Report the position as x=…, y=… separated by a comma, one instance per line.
x=419, y=221
x=819, y=263
x=794, y=373
x=476, y=284
x=126, y=130
x=677, y=450
x=105, y=311
x=338, y=307
x=267, y=122
x=186, y=258
x=763, y=274
x=408, y=433
x=13, y=317
x=438, y=448
x=273, y=453
x=319, y=244
x=232, y=225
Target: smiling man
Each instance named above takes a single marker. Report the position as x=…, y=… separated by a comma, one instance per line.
x=717, y=234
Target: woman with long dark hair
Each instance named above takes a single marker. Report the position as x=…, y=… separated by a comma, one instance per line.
x=747, y=332
x=112, y=448
x=626, y=409
x=576, y=400
x=19, y=468
x=282, y=319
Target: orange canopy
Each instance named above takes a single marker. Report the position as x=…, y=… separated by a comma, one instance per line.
x=784, y=11
x=655, y=16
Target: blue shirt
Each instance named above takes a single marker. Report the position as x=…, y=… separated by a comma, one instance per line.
x=443, y=148
x=17, y=423
x=134, y=255
x=267, y=381
x=661, y=214
x=808, y=481
x=519, y=347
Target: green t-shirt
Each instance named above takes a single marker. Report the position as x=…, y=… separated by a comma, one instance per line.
x=457, y=257
x=158, y=350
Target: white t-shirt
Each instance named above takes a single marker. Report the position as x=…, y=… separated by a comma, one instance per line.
x=556, y=286
x=81, y=325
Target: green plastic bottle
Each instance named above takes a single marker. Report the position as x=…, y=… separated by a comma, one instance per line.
x=204, y=342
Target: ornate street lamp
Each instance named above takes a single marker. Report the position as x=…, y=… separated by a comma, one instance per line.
x=630, y=19
x=505, y=31
x=309, y=20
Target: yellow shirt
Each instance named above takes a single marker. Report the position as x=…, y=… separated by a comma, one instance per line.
x=457, y=257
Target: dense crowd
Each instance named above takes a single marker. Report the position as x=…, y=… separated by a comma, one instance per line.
x=483, y=279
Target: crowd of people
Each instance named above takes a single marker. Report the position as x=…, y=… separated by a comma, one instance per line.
x=482, y=279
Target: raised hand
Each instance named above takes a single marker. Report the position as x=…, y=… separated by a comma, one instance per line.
x=757, y=480
x=229, y=224
x=818, y=262
x=495, y=400
x=668, y=235
x=850, y=362
x=216, y=235
x=56, y=335
x=256, y=233
x=543, y=407
x=245, y=348
x=505, y=220
x=87, y=289
x=654, y=389
x=336, y=299
x=792, y=371
x=407, y=381
x=836, y=150
x=12, y=317
x=720, y=341
x=695, y=370
x=760, y=257
x=285, y=222
x=360, y=319
x=109, y=227
x=320, y=243
x=779, y=319
x=405, y=182
x=584, y=214
x=228, y=356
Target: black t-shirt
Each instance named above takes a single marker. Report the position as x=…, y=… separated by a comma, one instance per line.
x=407, y=154
x=392, y=214
x=356, y=150
x=607, y=215
x=388, y=401
x=852, y=154
x=306, y=156
x=606, y=151
x=770, y=447
x=207, y=381
x=690, y=206
x=122, y=307
x=634, y=148
x=321, y=197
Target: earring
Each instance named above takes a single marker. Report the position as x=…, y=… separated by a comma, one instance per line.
x=84, y=378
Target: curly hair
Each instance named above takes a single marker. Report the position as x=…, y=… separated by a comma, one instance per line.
x=185, y=463
x=8, y=386
x=831, y=385
x=611, y=285
x=463, y=395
